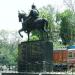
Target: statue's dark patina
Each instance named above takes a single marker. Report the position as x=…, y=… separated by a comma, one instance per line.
x=32, y=22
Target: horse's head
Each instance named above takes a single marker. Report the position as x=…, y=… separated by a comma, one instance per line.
x=21, y=16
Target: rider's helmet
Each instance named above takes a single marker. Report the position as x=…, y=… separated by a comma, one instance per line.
x=33, y=6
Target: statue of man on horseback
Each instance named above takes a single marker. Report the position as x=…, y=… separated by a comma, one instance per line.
x=32, y=22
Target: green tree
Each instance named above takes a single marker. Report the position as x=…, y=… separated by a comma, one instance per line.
x=66, y=22
x=9, y=47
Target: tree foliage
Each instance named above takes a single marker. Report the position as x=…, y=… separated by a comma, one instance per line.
x=67, y=26
x=8, y=47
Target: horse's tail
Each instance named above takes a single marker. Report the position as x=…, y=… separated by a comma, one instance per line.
x=46, y=28
x=46, y=24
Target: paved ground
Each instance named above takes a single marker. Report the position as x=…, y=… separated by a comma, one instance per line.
x=41, y=73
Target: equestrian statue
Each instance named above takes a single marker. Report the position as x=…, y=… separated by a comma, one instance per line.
x=32, y=22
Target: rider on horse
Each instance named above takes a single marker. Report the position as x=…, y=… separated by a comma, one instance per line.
x=32, y=22
x=34, y=13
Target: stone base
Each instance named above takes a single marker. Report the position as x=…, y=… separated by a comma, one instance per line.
x=35, y=56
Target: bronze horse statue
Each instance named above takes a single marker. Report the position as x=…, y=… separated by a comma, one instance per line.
x=39, y=24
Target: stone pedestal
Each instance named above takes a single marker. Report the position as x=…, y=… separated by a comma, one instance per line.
x=35, y=56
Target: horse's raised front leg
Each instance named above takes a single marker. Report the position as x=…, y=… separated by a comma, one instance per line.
x=20, y=32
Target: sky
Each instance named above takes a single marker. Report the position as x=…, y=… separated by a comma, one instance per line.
x=9, y=11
